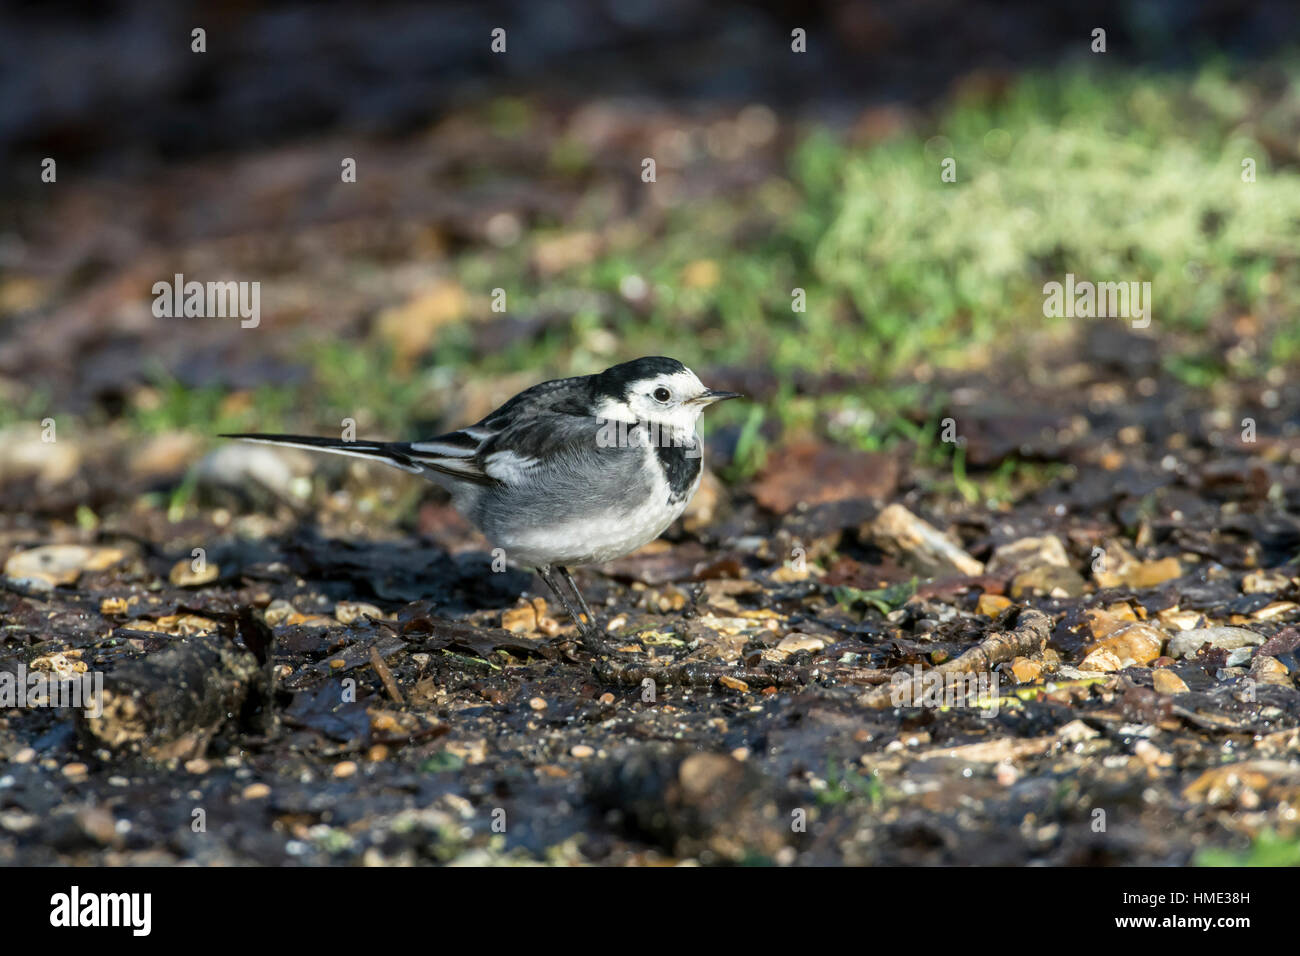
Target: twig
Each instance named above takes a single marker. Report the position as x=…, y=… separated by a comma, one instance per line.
x=1028, y=637
x=385, y=675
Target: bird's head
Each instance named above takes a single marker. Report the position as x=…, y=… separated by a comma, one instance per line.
x=654, y=389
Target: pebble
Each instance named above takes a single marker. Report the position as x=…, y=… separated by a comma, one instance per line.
x=113, y=605
x=26, y=755
x=519, y=620
x=1269, y=670
x=348, y=612
x=606, y=698
x=1076, y=732
x=1135, y=645
x=75, y=770
x=51, y=565
x=256, y=791
x=733, y=683
x=1187, y=643
x=1166, y=681
x=1026, y=671
x=582, y=751
x=278, y=612
x=183, y=574
x=345, y=769
x=991, y=605
x=1028, y=553
x=537, y=703
x=197, y=766
x=1049, y=579
x=1104, y=622
x=1102, y=659
x=920, y=545
x=792, y=643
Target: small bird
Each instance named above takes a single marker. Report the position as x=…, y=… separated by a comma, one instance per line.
x=569, y=472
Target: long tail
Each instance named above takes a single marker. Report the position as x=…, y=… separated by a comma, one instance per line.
x=401, y=455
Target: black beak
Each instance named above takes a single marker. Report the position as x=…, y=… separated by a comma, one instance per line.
x=713, y=395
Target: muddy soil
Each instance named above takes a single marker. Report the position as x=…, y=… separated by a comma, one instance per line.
x=1115, y=655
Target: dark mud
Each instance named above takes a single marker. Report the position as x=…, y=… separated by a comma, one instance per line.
x=390, y=698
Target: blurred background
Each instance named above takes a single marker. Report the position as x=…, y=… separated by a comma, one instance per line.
x=521, y=171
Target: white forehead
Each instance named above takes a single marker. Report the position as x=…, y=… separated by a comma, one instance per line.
x=680, y=383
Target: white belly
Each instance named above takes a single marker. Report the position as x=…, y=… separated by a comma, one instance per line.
x=590, y=539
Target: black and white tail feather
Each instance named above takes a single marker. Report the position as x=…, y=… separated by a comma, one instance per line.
x=455, y=454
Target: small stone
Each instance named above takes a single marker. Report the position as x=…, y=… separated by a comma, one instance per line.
x=1150, y=574
x=1275, y=610
x=345, y=769
x=795, y=642
x=1166, y=681
x=26, y=755
x=184, y=574
x=1076, y=732
x=1104, y=622
x=1151, y=755
x=75, y=770
x=1118, y=568
x=1025, y=670
x=548, y=626
x=520, y=620
x=256, y=791
x=790, y=575
x=1049, y=579
x=1188, y=643
x=582, y=751
x=920, y=545
x=1101, y=659
x=377, y=753
x=1264, y=582
x=99, y=824
x=1269, y=670
x=1236, y=783
x=197, y=766
x=991, y=605
x=537, y=703
x=338, y=664
x=1006, y=773
x=733, y=683
x=113, y=605
x=1180, y=619
x=278, y=612
x=1136, y=645
x=606, y=698
x=349, y=612
x=1028, y=553
x=49, y=566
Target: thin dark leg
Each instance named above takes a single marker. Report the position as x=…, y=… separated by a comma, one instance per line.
x=582, y=602
x=590, y=637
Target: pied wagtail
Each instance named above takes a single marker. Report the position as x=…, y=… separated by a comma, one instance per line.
x=569, y=472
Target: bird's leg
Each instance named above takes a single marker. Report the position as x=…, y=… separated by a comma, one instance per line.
x=590, y=636
x=582, y=602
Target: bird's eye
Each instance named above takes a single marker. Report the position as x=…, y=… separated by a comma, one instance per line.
x=662, y=394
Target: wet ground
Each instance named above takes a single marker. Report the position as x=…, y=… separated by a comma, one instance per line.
x=318, y=686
